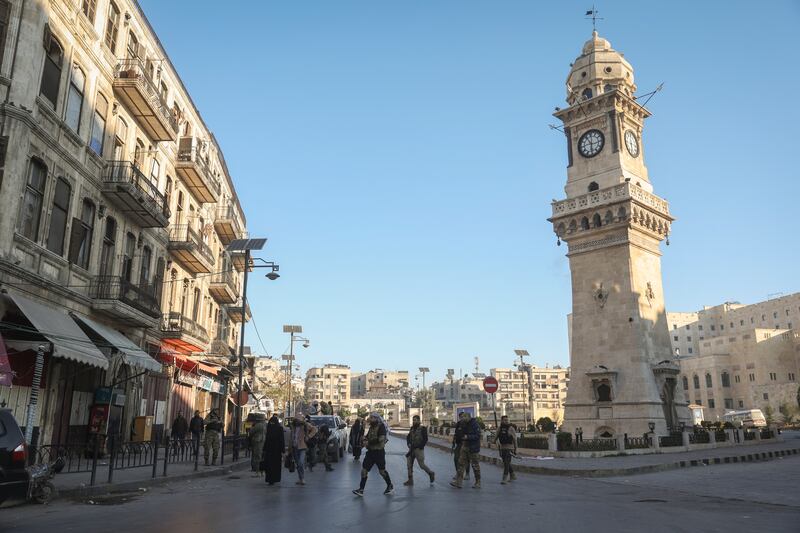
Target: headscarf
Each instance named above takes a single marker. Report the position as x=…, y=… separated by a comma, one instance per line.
x=381, y=421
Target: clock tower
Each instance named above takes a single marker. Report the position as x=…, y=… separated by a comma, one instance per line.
x=622, y=377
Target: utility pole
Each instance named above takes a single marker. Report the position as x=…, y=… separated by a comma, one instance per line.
x=241, y=357
x=527, y=369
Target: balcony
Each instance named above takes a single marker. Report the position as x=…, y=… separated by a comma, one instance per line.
x=192, y=167
x=227, y=225
x=189, y=249
x=237, y=260
x=135, y=195
x=224, y=287
x=184, y=333
x=124, y=301
x=221, y=347
x=235, y=312
x=134, y=87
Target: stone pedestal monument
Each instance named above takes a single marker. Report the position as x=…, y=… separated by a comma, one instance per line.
x=623, y=378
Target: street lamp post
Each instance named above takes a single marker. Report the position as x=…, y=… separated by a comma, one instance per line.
x=527, y=369
x=291, y=330
x=246, y=246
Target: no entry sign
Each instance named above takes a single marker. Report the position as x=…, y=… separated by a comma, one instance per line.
x=490, y=384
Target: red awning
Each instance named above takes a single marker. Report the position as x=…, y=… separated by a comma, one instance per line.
x=185, y=363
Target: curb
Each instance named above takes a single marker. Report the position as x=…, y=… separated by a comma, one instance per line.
x=644, y=469
x=131, y=486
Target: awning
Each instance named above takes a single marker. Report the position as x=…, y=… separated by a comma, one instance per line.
x=132, y=354
x=69, y=341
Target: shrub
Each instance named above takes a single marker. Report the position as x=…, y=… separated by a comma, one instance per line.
x=546, y=425
x=434, y=421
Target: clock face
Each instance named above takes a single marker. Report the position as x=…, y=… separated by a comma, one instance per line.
x=632, y=143
x=591, y=143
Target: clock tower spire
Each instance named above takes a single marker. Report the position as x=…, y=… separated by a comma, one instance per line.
x=623, y=377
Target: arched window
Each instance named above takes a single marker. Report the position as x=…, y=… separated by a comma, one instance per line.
x=726, y=379
x=596, y=222
x=608, y=88
x=603, y=392
x=112, y=27
x=77, y=83
x=593, y=186
x=51, y=75
x=144, y=267
x=127, y=256
x=708, y=381
x=621, y=213
x=584, y=223
x=696, y=381
x=138, y=154
x=685, y=383
x=58, y=218
x=108, y=247
x=561, y=229
x=80, y=244
x=99, y=124
x=609, y=218
x=32, y=202
x=587, y=93
x=572, y=225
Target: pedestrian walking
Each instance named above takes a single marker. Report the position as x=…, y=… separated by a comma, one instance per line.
x=196, y=428
x=213, y=427
x=256, y=438
x=470, y=452
x=356, y=437
x=416, y=440
x=302, y=431
x=375, y=442
x=506, y=440
x=274, y=447
x=458, y=443
x=179, y=427
x=322, y=446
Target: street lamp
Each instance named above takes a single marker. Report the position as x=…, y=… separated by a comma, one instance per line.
x=291, y=330
x=246, y=246
x=424, y=370
x=527, y=368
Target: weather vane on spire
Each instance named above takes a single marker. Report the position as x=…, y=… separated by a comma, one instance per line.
x=592, y=14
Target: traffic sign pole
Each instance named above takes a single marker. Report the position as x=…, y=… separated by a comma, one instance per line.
x=491, y=385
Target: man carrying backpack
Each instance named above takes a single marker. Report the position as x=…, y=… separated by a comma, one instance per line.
x=506, y=439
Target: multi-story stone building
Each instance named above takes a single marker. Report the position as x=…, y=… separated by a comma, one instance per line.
x=377, y=382
x=735, y=356
x=530, y=392
x=464, y=390
x=329, y=383
x=118, y=207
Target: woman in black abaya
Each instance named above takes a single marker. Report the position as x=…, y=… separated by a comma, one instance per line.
x=274, y=447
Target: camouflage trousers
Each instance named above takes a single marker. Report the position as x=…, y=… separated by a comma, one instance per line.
x=465, y=458
x=211, y=443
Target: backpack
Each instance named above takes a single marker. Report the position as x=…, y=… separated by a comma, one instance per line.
x=504, y=436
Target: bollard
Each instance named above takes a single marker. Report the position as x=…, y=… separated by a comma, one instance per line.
x=654, y=440
x=196, y=454
x=155, y=457
x=757, y=433
x=94, y=460
x=166, y=455
x=111, y=459
x=685, y=436
x=621, y=442
x=552, y=442
x=740, y=436
x=712, y=437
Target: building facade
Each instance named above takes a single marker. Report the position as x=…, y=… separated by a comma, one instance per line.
x=329, y=383
x=622, y=376
x=530, y=392
x=377, y=382
x=119, y=205
x=735, y=356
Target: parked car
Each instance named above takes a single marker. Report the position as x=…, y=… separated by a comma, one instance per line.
x=337, y=442
x=13, y=459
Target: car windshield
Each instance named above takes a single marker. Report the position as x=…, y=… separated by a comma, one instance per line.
x=320, y=420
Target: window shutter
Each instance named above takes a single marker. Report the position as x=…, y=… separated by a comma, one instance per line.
x=75, y=238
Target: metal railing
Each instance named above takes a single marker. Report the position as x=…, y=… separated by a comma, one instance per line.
x=721, y=435
x=188, y=152
x=589, y=445
x=134, y=68
x=750, y=435
x=183, y=233
x=127, y=172
x=533, y=442
x=671, y=440
x=637, y=443
x=228, y=212
x=699, y=437
x=228, y=278
x=118, y=288
x=176, y=323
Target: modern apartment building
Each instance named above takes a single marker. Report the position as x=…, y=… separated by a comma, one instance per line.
x=378, y=382
x=329, y=383
x=118, y=205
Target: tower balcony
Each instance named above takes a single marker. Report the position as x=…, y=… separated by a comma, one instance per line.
x=184, y=333
x=227, y=224
x=192, y=166
x=137, y=92
x=224, y=287
x=128, y=303
x=189, y=249
x=135, y=195
x=235, y=312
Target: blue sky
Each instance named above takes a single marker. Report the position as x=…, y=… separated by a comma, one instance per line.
x=397, y=156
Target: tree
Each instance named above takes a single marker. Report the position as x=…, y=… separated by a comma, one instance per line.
x=788, y=412
x=545, y=424
x=769, y=413
x=344, y=412
x=362, y=412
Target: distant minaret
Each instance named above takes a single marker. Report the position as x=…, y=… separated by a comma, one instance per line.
x=623, y=377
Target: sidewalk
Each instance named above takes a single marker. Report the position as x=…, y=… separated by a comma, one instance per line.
x=76, y=484
x=625, y=465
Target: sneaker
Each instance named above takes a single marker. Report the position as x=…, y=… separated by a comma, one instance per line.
x=408, y=483
x=359, y=492
x=301, y=482
x=329, y=469
x=432, y=476
x=389, y=490
x=513, y=476
x=477, y=485
x=455, y=484
x=504, y=482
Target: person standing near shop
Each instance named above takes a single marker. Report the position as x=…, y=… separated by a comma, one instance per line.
x=213, y=427
x=196, y=429
x=274, y=447
x=179, y=427
x=302, y=432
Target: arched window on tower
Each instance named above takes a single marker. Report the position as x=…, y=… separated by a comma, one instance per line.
x=609, y=218
x=604, y=392
x=608, y=88
x=593, y=186
x=621, y=213
x=584, y=223
x=596, y=222
x=587, y=93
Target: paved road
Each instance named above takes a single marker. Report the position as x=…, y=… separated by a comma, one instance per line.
x=726, y=498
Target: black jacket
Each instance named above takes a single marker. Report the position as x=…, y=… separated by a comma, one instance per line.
x=424, y=431
x=196, y=424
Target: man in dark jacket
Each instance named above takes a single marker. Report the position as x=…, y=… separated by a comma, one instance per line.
x=470, y=451
x=196, y=428
x=416, y=440
x=179, y=427
x=356, y=435
x=458, y=443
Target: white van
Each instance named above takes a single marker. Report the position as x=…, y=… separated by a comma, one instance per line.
x=748, y=418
